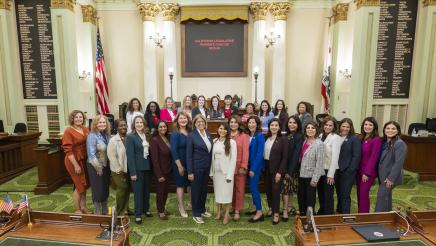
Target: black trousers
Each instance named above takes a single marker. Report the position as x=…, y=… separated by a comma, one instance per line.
x=273, y=190
x=141, y=192
x=325, y=194
x=199, y=192
x=306, y=195
x=346, y=181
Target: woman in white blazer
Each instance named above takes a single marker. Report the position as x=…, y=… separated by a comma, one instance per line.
x=332, y=142
x=223, y=169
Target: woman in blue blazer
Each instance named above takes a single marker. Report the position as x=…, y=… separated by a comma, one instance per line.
x=139, y=166
x=255, y=164
x=349, y=160
x=198, y=159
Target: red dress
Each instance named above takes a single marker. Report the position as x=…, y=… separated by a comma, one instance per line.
x=74, y=143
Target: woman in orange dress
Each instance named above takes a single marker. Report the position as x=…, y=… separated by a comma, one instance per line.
x=74, y=146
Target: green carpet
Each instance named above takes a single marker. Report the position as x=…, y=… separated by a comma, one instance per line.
x=179, y=231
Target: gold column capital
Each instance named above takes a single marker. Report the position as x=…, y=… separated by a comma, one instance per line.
x=148, y=11
x=5, y=4
x=280, y=10
x=340, y=12
x=89, y=14
x=362, y=3
x=429, y=3
x=259, y=10
x=169, y=11
x=63, y=4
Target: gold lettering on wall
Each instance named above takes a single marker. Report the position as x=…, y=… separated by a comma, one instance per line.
x=280, y=10
x=169, y=11
x=428, y=2
x=89, y=13
x=340, y=12
x=5, y=4
x=363, y=3
x=148, y=11
x=259, y=10
x=63, y=4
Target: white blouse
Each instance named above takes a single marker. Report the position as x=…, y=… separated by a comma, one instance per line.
x=205, y=140
x=267, y=150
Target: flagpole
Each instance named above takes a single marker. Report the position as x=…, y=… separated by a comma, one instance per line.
x=28, y=211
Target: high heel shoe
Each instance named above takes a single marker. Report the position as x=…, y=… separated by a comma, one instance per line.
x=253, y=220
x=183, y=213
x=275, y=222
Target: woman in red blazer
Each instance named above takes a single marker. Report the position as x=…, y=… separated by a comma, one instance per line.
x=161, y=159
x=168, y=113
x=242, y=142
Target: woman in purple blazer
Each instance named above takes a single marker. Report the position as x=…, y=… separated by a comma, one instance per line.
x=371, y=147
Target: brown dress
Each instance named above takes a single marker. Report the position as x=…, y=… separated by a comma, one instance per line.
x=74, y=143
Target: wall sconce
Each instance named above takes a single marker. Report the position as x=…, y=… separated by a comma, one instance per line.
x=345, y=73
x=270, y=39
x=158, y=40
x=85, y=75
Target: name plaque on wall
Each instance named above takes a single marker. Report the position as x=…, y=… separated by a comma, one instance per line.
x=35, y=41
x=395, y=48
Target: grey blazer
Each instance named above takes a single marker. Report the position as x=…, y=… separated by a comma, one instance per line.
x=392, y=162
x=312, y=163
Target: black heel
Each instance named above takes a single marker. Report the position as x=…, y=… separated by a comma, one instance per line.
x=253, y=220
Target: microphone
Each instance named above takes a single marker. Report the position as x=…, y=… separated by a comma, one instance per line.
x=312, y=219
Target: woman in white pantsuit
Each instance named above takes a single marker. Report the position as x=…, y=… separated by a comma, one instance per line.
x=223, y=169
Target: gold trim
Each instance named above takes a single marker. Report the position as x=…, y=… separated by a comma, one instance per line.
x=169, y=11
x=280, y=10
x=148, y=11
x=89, y=14
x=363, y=3
x=340, y=12
x=5, y=4
x=63, y=4
x=199, y=13
x=259, y=10
x=429, y=3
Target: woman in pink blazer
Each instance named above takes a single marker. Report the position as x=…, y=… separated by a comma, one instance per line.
x=371, y=147
x=168, y=113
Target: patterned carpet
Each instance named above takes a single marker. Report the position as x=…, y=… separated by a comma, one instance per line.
x=180, y=232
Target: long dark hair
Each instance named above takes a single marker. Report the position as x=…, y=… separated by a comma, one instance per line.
x=204, y=98
x=241, y=126
x=391, y=123
x=130, y=105
x=275, y=110
x=257, y=120
x=306, y=104
x=156, y=133
x=261, y=112
x=217, y=106
x=227, y=140
x=279, y=133
x=299, y=126
x=374, y=132
x=350, y=122
x=148, y=110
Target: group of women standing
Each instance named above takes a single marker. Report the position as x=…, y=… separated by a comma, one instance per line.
x=293, y=153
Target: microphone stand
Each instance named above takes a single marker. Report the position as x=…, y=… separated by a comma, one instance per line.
x=315, y=231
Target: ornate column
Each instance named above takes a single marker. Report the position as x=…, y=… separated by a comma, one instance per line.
x=280, y=13
x=341, y=60
x=259, y=11
x=11, y=92
x=149, y=12
x=422, y=98
x=364, y=58
x=169, y=13
x=65, y=54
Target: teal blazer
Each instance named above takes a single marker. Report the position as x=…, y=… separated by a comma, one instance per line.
x=135, y=155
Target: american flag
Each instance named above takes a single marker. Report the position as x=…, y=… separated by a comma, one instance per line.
x=101, y=87
x=23, y=204
x=7, y=204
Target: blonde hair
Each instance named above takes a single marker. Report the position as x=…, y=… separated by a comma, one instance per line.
x=196, y=118
x=94, y=123
x=184, y=101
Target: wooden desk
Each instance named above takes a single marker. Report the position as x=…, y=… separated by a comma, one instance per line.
x=16, y=154
x=421, y=156
x=424, y=223
x=333, y=230
x=65, y=227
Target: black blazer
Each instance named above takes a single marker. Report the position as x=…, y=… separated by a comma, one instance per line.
x=351, y=151
x=294, y=150
x=278, y=157
x=196, y=111
x=135, y=154
x=150, y=122
x=198, y=156
x=283, y=119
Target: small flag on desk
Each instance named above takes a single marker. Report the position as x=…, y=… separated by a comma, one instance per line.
x=7, y=204
x=23, y=204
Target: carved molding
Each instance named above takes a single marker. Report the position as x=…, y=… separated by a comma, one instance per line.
x=340, y=12
x=5, y=4
x=63, y=4
x=169, y=11
x=280, y=10
x=429, y=3
x=89, y=14
x=363, y=3
x=148, y=11
x=259, y=10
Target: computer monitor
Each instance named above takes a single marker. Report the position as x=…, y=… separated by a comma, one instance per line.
x=431, y=124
